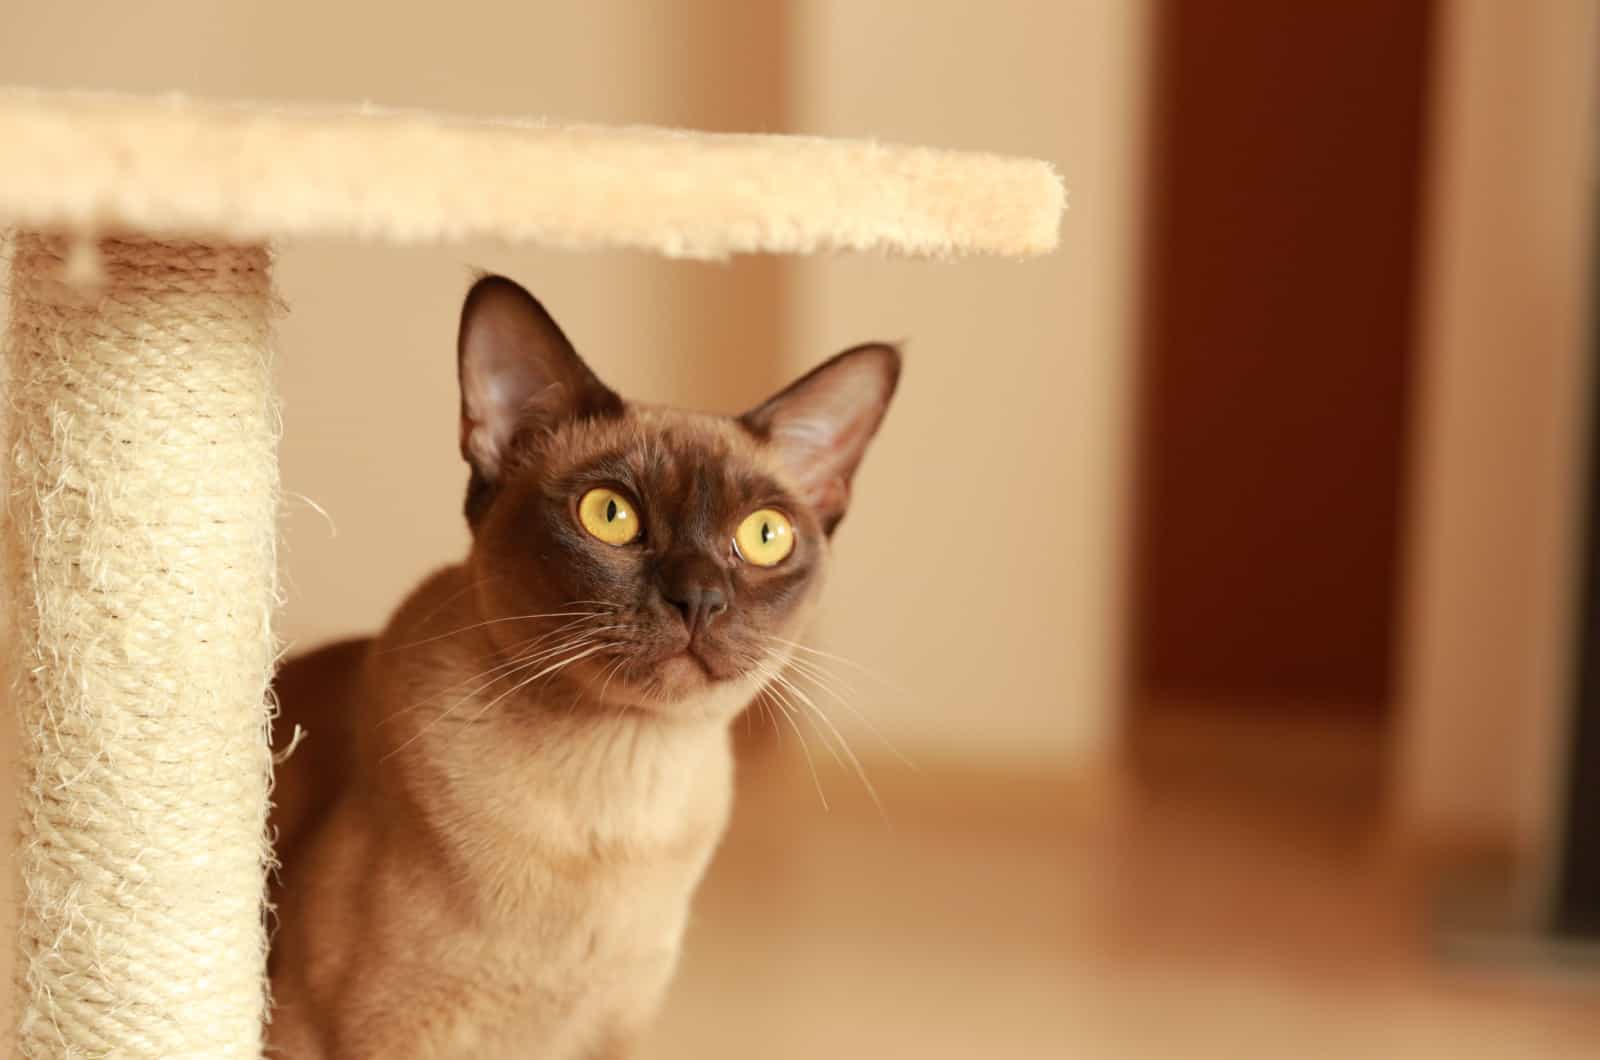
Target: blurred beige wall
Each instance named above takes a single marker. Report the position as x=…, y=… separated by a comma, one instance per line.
x=1502, y=408
x=1012, y=413
x=981, y=567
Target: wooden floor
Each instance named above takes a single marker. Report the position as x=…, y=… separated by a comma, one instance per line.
x=1106, y=918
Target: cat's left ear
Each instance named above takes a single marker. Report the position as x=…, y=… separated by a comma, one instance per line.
x=517, y=372
x=819, y=426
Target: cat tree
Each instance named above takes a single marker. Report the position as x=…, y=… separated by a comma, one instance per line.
x=143, y=478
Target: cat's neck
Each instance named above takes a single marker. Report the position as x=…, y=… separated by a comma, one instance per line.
x=522, y=776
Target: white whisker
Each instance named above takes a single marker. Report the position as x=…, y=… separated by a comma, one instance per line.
x=523, y=654
x=452, y=598
x=552, y=668
x=821, y=678
x=781, y=686
x=491, y=622
x=844, y=745
x=525, y=665
x=804, y=748
x=610, y=673
x=892, y=686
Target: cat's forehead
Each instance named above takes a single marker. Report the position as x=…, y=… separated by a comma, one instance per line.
x=667, y=449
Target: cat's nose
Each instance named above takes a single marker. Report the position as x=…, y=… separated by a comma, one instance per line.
x=696, y=588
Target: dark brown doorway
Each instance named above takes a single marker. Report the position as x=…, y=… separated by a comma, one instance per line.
x=1284, y=220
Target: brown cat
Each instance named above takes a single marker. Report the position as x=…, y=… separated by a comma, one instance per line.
x=506, y=799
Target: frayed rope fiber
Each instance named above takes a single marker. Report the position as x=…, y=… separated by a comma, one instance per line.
x=142, y=521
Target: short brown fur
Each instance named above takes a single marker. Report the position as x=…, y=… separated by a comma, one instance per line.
x=482, y=863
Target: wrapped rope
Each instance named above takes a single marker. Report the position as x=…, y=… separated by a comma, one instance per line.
x=142, y=508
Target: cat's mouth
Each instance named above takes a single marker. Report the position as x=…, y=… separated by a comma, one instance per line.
x=700, y=660
x=664, y=669
x=707, y=664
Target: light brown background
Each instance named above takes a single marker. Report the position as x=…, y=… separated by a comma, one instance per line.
x=1013, y=392
x=1001, y=613
x=997, y=612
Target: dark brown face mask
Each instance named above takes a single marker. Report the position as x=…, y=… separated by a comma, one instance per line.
x=683, y=546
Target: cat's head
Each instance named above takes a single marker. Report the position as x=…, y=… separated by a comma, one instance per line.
x=671, y=557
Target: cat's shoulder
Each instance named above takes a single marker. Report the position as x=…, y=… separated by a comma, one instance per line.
x=320, y=668
x=315, y=691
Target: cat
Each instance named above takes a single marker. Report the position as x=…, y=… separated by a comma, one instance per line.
x=504, y=802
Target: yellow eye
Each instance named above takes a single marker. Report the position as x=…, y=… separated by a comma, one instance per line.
x=765, y=538
x=608, y=515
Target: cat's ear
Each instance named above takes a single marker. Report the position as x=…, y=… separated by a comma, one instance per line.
x=819, y=426
x=518, y=372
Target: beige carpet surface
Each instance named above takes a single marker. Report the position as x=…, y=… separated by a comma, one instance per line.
x=176, y=166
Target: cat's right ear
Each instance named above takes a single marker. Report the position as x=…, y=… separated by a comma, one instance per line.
x=518, y=373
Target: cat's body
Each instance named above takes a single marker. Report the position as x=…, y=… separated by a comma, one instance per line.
x=507, y=893
x=492, y=831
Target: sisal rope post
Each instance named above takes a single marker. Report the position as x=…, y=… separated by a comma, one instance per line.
x=142, y=519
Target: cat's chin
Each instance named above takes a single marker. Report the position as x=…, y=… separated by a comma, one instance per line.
x=700, y=665
x=689, y=686
x=712, y=701
x=689, y=675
